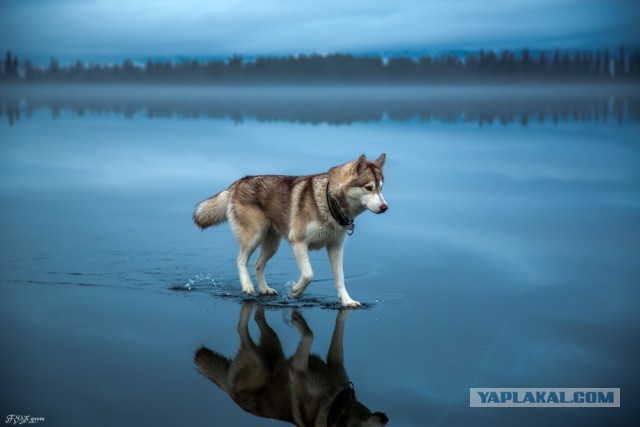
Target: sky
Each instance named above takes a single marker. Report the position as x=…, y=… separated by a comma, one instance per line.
x=85, y=29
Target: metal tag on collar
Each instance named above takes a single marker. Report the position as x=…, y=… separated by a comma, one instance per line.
x=350, y=227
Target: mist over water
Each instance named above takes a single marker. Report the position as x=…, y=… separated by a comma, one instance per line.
x=508, y=256
x=485, y=105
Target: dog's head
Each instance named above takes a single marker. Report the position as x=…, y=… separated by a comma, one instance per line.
x=355, y=414
x=366, y=182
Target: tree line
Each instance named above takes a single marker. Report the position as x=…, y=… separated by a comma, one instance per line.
x=483, y=66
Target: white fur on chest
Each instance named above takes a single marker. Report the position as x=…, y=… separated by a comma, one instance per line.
x=319, y=235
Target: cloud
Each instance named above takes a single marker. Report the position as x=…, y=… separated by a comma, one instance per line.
x=222, y=27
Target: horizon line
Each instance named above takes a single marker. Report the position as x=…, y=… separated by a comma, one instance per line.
x=247, y=57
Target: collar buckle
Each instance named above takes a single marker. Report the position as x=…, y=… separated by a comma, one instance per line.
x=350, y=227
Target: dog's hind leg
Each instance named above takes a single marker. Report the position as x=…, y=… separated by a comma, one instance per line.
x=249, y=227
x=248, y=367
x=246, y=249
x=268, y=248
x=301, y=252
x=243, y=323
x=269, y=344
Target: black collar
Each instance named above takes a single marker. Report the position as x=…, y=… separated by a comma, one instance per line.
x=347, y=394
x=337, y=213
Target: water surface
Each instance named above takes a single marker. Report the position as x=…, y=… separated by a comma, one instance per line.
x=508, y=256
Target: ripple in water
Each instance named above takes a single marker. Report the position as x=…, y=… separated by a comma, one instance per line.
x=230, y=290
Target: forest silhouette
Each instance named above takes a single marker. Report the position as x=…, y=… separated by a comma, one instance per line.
x=580, y=86
x=485, y=66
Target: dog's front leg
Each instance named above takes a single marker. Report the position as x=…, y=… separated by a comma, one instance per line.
x=301, y=252
x=335, y=256
x=335, y=356
x=300, y=358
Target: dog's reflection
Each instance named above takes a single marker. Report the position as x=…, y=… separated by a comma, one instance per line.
x=304, y=389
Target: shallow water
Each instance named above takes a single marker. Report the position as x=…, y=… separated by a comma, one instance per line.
x=508, y=256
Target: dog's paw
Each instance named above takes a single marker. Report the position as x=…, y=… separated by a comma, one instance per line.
x=295, y=293
x=268, y=291
x=259, y=316
x=300, y=324
x=349, y=303
x=248, y=290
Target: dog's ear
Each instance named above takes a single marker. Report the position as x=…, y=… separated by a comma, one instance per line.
x=361, y=164
x=377, y=419
x=380, y=161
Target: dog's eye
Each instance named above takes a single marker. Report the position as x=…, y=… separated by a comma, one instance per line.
x=368, y=187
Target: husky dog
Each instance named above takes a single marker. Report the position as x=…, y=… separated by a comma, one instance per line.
x=304, y=389
x=311, y=212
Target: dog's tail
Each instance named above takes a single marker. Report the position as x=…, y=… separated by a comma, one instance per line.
x=212, y=211
x=213, y=366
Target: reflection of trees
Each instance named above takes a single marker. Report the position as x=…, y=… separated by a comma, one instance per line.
x=484, y=66
x=337, y=106
x=10, y=108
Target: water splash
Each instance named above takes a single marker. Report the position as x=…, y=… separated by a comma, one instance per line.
x=285, y=292
x=201, y=281
x=229, y=289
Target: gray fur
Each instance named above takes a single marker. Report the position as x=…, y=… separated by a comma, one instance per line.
x=266, y=208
